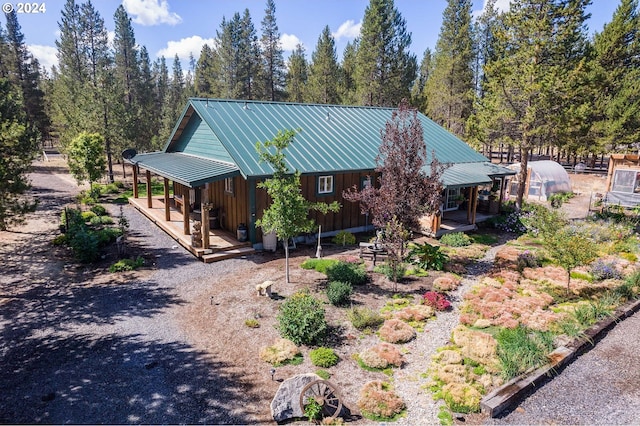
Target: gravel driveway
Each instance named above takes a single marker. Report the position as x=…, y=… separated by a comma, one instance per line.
x=74, y=352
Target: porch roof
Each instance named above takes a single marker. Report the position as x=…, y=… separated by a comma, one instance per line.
x=471, y=174
x=188, y=170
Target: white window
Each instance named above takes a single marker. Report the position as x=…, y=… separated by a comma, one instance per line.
x=228, y=185
x=325, y=184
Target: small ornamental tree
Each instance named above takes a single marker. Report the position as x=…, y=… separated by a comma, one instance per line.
x=569, y=249
x=87, y=161
x=406, y=191
x=288, y=214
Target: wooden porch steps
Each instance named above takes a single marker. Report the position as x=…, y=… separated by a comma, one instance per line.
x=227, y=254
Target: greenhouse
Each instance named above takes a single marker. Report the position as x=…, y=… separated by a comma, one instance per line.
x=544, y=178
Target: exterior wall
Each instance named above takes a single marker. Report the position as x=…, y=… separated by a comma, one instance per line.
x=348, y=216
x=234, y=207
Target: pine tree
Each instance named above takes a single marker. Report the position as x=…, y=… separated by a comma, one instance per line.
x=161, y=78
x=205, y=73
x=418, y=97
x=449, y=90
x=526, y=89
x=250, y=73
x=26, y=75
x=617, y=78
x=174, y=100
x=297, y=75
x=322, y=86
x=347, y=83
x=148, y=120
x=385, y=68
x=18, y=145
x=272, y=55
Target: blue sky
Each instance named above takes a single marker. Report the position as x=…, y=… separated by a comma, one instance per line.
x=169, y=27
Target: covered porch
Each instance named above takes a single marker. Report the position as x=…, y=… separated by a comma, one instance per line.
x=188, y=223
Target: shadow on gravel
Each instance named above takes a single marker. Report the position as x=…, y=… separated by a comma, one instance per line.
x=117, y=380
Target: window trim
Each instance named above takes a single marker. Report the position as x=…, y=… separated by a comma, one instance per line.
x=229, y=186
x=325, y=178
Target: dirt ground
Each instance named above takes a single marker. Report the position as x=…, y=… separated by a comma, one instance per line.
x=219, y=332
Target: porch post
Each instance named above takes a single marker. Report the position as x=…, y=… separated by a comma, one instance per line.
x=135, y=181
x=149, y=199
x=185, y=213
x=204, y=212
x=470, y=205
x=167, y=211
x=474, y=208
x=251, y=183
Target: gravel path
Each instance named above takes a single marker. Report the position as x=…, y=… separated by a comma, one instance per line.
x=411, y=382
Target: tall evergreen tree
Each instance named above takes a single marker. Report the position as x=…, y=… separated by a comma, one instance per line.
x=161, y=78
x=250, y=77
x=297, y=75
x=18, y=145
x=148, y=120
x=175, y=99
x=205, y=73
x=322, y=86
x=26, y=75
x=617, y=78
x=525, y=93
x=347, y=83
x=272, y=55
x=418, y=98
x=385, y=68
x=449, y=90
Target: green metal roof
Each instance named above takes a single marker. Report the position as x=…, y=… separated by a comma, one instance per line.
x=215, y=138
x=332, y=138
x=185, y=169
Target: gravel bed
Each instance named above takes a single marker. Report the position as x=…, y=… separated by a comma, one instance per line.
x=411, y=382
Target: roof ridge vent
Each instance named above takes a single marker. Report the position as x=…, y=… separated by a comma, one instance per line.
x=328, y=116
x=246, y=105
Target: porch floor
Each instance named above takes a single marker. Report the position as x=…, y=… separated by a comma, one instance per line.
x=455, y=221
x=222, y=244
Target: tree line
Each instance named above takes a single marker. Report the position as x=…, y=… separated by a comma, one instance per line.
x=529, y=78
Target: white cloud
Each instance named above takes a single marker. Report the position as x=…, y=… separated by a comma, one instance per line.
x=289, y=42
x=348, y=29
x=500, y=6
x=47, y=55
x=151, y=12
x=185, y=46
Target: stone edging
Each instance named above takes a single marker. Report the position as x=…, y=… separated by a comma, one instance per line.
x=514, y=391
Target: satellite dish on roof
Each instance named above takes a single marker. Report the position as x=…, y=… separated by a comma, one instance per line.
x=129, y=153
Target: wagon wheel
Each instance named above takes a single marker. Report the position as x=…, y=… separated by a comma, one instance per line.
x=324, y=393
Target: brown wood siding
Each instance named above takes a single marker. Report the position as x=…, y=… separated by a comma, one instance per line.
x=234, y=209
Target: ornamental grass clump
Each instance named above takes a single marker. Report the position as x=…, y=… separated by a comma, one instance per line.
x=379, y=402
x=364, y=318
x=396, y=331
x=282, y=352
x=447, y=282
x=520, y=349
x=380, y=356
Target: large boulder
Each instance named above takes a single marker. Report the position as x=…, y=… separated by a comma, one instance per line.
x=286, y=404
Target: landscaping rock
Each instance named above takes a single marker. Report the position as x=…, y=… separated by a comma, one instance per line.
x=286, y=404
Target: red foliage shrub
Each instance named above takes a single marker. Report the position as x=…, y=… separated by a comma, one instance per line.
x=436, y=300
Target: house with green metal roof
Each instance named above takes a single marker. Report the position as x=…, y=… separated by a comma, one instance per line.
x=212, y=165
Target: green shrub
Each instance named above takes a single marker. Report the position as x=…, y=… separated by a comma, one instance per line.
x=521, y=348
x=302, y=319
x=319, y=265
x=364, y=318
x=393, y=274
x=99, y=210
x=347, y=272
x=88, y=216
x=339, y=293
x=107, y=235
x=84, y=244
x=344, y=238
x=427, y=256
x=124, y=265
x=455, y=239
x=323, y=357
